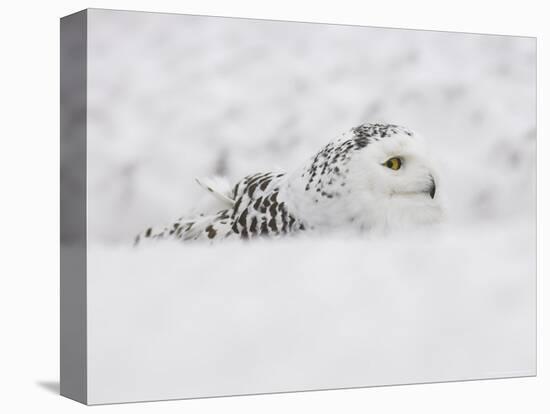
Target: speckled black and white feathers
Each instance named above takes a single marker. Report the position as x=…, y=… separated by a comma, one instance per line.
x=328, y=172
x=367, y=133
x=336, y=187
x=258, y=210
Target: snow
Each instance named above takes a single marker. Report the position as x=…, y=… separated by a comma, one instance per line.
x=176, y=97
x=172, y=322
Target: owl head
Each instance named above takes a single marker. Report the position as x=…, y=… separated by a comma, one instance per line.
x=374, y=177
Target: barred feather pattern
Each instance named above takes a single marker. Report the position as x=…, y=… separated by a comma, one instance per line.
x=258, y=210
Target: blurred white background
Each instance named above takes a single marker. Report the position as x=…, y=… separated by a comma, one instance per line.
x=175, y=97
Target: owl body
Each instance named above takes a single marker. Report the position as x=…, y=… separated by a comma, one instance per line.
x=375, y=177
x=253, y=207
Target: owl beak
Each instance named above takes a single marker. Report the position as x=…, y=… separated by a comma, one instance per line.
x=431, y=190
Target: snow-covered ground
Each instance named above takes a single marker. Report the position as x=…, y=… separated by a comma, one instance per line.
x=173, y=322
x=171, y=98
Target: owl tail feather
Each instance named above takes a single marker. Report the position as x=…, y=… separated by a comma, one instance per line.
x=220, y=189
x=203, y=220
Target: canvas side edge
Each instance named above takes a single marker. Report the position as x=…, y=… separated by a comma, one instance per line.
x=73, y=303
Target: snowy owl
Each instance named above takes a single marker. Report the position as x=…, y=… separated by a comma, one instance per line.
x=375, y=177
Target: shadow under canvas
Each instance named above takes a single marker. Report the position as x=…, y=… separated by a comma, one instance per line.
x=51, y=386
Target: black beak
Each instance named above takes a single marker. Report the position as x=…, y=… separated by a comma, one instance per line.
x=432, y=188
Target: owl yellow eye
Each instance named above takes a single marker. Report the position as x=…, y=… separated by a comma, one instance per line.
x=393, y=163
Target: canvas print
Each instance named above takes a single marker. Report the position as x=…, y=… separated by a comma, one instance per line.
x=254, y=206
